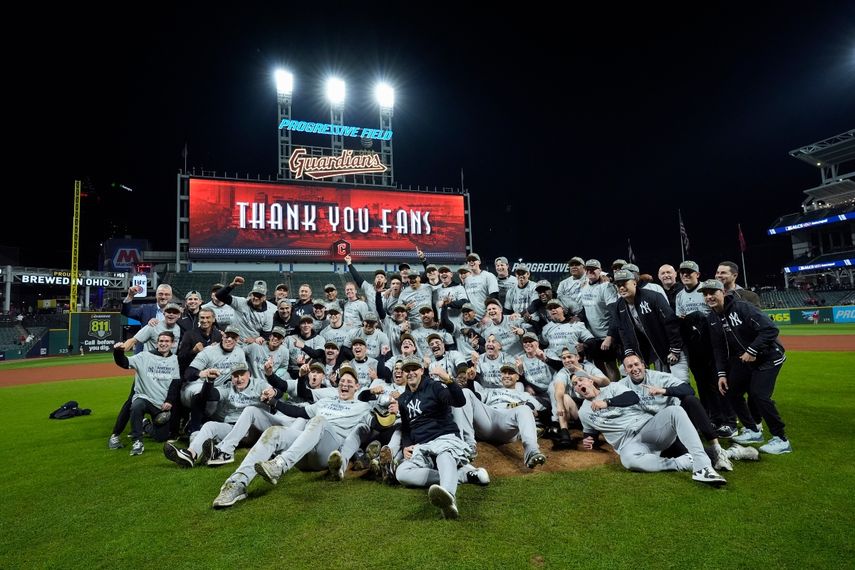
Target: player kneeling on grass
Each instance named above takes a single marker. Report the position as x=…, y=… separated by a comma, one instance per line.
x=330, y=421
x=243, y=392
x=156, y=387
x=434, y=454
x=639, y=437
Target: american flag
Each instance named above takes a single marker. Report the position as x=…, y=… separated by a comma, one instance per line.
x=742, y=245
x=629, y=254
x=684, y=237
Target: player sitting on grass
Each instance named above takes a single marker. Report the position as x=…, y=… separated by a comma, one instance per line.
x=330, y=422
x=243, y=392
x=656, y=390
x=639, y=437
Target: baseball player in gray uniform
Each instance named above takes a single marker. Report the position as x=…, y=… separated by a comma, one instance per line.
x=639, y=437
x=252, y=319
x=330, y=421
x=479, y=284
x=244, y=391
x=561, y=332
x=569, y=291
x=596, y=298
x=148, y=334
x=336, y=331
x=214, y=362
x=502, y=415
x=520, y=297
x=505, y=280
x=564, y=406
x=224, y=313
x=376, y=341
x=506, y=328
x=490, y=363
x=156, y=381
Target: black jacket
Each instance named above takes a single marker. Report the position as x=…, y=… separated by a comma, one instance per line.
x=742, y=327
x=660, y=324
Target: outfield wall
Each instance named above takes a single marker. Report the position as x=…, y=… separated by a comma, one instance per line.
x=812, y=315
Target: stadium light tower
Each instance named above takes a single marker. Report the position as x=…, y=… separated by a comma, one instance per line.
x=335, y=95
x=385, y=96
x=284, y=88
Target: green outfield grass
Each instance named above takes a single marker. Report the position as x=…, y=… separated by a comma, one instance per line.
x=56, y=361
x=820, y=329
x=68, y=501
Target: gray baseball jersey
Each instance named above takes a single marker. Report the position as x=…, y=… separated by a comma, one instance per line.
x=250, y=323
x=595, y=299
x=690, y=302
x=616, y=424
x=152, y=375
x=519, y=298
x=232, y=402
x=560, y=335
x=569, y=291
x=354, y=312
x=147, y=336
x=340, y=335
x=537, y=372
x=374, y=342
x=215, y=357
x=489, y=368
x=342, y=415
x=419, y=298
x=504, y=333
x=256, y=355
x=224, y=314
x=478, y=288
x=648, y=403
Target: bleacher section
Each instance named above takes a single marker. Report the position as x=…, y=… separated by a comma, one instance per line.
x=797, y=298
x=317, y=281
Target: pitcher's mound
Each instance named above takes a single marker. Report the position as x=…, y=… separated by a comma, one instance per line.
x=507, y=460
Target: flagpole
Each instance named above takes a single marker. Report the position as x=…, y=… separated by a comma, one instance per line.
x=682, y=250
x=742, y=251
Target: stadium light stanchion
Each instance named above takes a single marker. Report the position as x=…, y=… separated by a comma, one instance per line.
x=385, y=96
x=284, y=89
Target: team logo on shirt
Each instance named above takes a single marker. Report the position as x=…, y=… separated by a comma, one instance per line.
x=734, y=319
x=414, y=408
x=645, y=307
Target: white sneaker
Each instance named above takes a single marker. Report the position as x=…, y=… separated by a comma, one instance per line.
x=478, y=476
x=441, y=498
x=684, y=462
x=230, y=493
x=271, y=470
x=748, y=436
x=722, y=461
x=115, y=442
x=137, y=448
x=336, y=465
x=709, y=476
x=738, y=452
x=777, y=446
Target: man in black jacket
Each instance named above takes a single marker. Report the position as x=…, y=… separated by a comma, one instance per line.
x=433, y=451
x=648, y=327
x=748, y=358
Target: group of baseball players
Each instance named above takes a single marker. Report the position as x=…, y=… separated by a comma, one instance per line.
x=408, y=371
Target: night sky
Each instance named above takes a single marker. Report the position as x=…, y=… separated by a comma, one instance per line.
x=574, y=134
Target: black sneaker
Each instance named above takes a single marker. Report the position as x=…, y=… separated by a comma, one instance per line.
x=564, y=441
x=181, y=457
